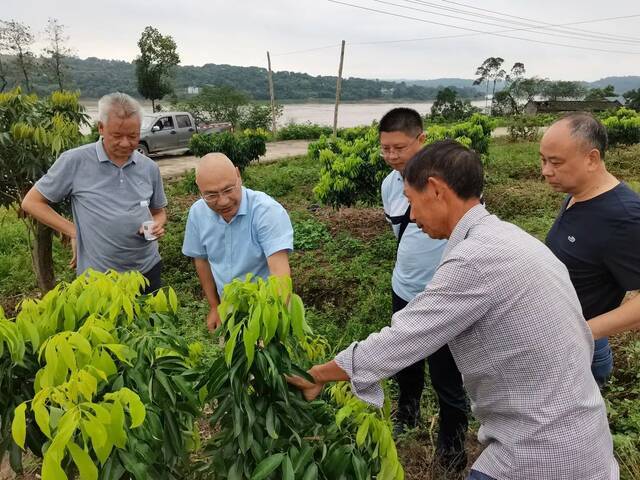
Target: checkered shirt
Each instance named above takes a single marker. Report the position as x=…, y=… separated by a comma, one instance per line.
x=506, y=307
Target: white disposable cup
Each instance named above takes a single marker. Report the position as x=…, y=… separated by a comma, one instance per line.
x=146, y=228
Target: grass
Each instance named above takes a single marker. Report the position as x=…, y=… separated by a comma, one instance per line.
x=342, y=269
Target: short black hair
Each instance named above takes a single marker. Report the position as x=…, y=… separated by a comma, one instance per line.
x=588, y=128
x=401, y=119
x=458, y=166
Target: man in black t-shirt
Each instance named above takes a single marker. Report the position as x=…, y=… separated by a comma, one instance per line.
x=597, y=232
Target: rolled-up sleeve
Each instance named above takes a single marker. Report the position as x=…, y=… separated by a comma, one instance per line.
x=192, y=245
x=454, y=300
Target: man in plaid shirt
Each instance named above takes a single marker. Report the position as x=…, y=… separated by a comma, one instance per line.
x=506, y=307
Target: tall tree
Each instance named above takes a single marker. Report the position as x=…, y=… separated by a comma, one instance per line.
x=155, y=65
x=601, y=93
x=17, y=40
x=489, y=71
x=57, y=50
x=563, y=90
x=632, y=98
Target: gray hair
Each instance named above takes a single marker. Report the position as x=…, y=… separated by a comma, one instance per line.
x=121, y=104
x=589, y=129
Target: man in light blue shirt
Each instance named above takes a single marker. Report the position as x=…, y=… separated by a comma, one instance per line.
x=418, y=256
x=232, y=231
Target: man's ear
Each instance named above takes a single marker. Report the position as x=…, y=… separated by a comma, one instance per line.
x=437, y=186
x=100, y=127
x=594, y=159
x=422, y=137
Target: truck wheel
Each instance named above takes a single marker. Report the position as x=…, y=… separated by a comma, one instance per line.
x=142, y=148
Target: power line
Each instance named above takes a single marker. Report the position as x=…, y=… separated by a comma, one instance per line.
x=539, y=21
x=482, y=32
x=580, y=33
x=295, y=52
x=572, y=36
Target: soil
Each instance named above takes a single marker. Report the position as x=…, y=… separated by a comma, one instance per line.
x=361, y=223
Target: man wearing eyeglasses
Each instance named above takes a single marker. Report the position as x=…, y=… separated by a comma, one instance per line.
x=232, y=231
x=418, y=256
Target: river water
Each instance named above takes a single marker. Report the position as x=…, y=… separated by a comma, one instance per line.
x=349, y=114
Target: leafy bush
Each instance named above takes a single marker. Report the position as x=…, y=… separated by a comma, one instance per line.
x=266, y=430
x=524, y=128
x=94, y=376
x=241, y=148
x=259, y=116
x=351, y=171
x=623, y=127
x=303, y=131
x=448, y=107
x=474, y=133
x=309, y=234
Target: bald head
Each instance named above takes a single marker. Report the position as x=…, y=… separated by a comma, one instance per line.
x=215, y=166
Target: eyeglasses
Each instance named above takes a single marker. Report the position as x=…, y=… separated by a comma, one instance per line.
x=386, y=151
x=215, y=196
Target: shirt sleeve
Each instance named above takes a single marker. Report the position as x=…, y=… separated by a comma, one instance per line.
x=623, y=255
x=192, y=245
x=274, y=230
x=158, y=198
x=57, y=183
x=454, y=300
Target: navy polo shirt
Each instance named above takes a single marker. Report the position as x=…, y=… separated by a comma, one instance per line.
x=598, y=240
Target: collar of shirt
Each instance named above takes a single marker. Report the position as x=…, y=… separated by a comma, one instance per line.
x=103, y=157
x=242, y=210
x=461, y=230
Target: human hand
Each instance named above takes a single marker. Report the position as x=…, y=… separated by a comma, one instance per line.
x=213, y=320
x=309, y=390
x=73, y=263
x=157, y=230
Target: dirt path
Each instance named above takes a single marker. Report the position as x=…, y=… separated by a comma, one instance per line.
x=173, y=166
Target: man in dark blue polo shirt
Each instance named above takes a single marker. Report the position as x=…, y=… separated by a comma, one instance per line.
x=597, y=232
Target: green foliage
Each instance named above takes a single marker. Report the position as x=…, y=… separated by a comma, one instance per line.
x=303, y=131
x=600, y=93
x=623, y=127
x=259, y=116
x=97, y=379
x=216, y=104
x=309, y=234
x=632, y=98
x=352, y=170
x=241, y=148
x=524, y=128
x=264, y=429
x=475, y=133
x=34, y=132
x=154, y=66
x=448, y=107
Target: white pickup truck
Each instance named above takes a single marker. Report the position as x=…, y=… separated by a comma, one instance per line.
x=165, y=131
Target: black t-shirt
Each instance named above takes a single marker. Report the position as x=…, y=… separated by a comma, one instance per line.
x=599, y=242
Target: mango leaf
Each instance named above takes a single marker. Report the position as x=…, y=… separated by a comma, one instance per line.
x=296, y=309
x=19, y=425
x=231, y=344
x=363, y=429
x=81, y=458
x=267, y=466
x=173, y=300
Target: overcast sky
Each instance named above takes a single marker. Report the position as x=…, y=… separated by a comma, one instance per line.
x=238, y=32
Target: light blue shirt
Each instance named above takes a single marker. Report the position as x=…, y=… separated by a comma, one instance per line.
x=418, y=254
x=259, y=229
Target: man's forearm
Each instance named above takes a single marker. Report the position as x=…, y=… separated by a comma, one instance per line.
x=207, y=282
x=625, y=317
x=37, y=206
x=159, y=216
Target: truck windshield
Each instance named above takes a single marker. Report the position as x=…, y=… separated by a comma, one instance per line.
x=147, y=121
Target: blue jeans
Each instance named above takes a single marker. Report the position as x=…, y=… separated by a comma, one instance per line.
x=476, y=475
x=602, y=363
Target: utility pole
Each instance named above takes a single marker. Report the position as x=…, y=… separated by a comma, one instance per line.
x=338, y=89
x=273, y=100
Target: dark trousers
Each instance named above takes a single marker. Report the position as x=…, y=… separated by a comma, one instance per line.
x=154, y=277
x=447, y=383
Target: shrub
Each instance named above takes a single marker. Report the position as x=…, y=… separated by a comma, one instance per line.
x=93, y=375
x=474, y=133
x=351, y=171
x=265, y=429
x=623, y=127
x=241, y=148
x=303, y=131
x=259, y=116
x=523, y=128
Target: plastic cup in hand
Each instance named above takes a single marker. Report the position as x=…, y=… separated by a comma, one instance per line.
x=146, y=229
